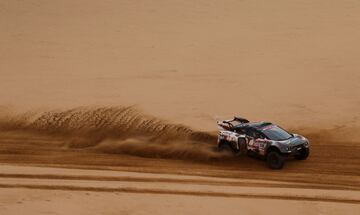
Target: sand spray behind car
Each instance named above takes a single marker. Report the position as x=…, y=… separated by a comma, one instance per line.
x=126, y=130
x=120, y=130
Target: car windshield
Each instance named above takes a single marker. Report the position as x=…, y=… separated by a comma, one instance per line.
x=274, y=132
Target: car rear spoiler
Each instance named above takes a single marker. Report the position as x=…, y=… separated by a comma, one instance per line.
x=237, y=119
x=227, y=124
x=240, y=119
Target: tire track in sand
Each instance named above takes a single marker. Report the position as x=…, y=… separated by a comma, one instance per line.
x=179, y=192
x=128, y=182
x=183, y=181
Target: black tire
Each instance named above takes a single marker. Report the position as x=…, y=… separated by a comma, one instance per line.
x=275, y=160
x=225, y=147
x=304, y=153
x=242, y=146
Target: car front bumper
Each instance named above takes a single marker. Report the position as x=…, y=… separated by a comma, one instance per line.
x=294, y=150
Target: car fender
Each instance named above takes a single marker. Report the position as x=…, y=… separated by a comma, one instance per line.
x=282, y=147
x=231, y=137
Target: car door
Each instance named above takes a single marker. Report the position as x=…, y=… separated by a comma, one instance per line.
x=255, y=140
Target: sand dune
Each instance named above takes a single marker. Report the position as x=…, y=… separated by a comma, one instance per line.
x=294, y=63
x=109, y=107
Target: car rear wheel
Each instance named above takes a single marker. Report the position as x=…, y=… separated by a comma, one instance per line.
x=303, y=154
x=226, y=148
x=275, y=160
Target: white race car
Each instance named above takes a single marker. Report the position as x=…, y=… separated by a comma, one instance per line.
x=261, y=139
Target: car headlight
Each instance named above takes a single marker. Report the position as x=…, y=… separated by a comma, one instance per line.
x=307, y=143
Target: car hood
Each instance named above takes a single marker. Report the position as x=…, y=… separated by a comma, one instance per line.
x=294, y=141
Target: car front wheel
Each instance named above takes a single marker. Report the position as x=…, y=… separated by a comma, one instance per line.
x=275, y=160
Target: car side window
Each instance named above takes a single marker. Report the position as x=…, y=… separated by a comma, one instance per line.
x=251, y=133
x=261, y=136
x=255, y=134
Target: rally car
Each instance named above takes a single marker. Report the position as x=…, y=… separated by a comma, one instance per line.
x=261, y=139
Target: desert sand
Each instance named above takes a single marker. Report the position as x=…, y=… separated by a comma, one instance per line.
x=109, y=107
